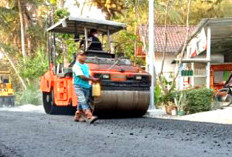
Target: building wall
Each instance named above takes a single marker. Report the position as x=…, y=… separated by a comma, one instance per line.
x=168, y=66
x=215, y=58
x=199, y=78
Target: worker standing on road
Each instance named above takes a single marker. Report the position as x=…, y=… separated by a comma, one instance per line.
x=81, y=79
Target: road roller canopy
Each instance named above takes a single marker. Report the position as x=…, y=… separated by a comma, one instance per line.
x=4, y=76
x=76, y=25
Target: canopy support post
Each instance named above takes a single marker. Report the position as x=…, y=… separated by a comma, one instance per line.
x=109, y=40
x=86, y=38
x=54, y=52
x=208, y=56
x=192, y=78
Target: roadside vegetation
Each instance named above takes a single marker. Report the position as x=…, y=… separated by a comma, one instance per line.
x=31, y=95
x=24, y=39
x=191, y=100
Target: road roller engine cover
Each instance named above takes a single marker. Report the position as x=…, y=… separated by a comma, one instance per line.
x=7, y=97
x=123, y=90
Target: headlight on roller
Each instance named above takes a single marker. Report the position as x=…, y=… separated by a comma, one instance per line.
x=138, y=77
x=106, y=76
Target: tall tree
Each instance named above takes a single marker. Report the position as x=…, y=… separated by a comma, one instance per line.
x=22, y=28
x=110, y=7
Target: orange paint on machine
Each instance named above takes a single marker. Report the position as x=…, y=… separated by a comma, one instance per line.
x=124, y=88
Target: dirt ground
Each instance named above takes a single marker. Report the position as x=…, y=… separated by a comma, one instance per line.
x=35, y=134
x=220, y=116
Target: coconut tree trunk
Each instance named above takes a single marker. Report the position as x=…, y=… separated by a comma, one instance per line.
x=22, y=29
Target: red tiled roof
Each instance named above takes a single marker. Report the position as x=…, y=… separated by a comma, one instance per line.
x=175, y=36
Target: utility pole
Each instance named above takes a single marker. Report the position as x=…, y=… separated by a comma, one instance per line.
x=151, y=52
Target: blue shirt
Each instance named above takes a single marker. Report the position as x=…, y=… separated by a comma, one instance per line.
x=78, y=70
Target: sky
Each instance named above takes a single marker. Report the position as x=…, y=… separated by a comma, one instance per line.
x=1, y=55
x=92, y=12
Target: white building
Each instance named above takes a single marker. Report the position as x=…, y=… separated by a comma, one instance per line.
x=175, y=39
x=208, y=54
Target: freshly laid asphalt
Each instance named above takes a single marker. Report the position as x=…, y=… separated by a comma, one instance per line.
x=26, y=134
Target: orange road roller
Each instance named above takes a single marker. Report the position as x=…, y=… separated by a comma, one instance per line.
x=124, y=89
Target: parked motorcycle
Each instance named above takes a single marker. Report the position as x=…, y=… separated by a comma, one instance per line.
x=224, y=95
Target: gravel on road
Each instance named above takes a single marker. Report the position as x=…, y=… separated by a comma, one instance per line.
x=27, y=134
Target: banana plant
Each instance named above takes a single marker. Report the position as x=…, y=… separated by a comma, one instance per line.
x=181, y=101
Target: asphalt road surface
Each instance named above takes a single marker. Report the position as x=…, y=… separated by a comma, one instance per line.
x=24, y=134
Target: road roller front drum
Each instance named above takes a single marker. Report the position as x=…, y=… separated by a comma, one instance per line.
x=121, y=103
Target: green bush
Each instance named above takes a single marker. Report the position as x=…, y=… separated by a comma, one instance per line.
x=158, y=95
x=34, y=67
x=31, y=95
x=61, y=13
x=197, y=100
